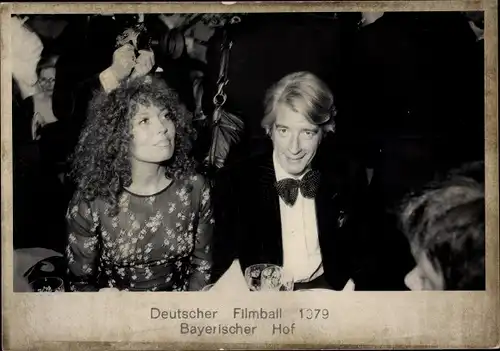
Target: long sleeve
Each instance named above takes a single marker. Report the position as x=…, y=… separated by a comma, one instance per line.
x=82, y=251
x=201, y=260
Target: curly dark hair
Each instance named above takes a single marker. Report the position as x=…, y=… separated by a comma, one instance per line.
x=100, y=165
x=447, y=221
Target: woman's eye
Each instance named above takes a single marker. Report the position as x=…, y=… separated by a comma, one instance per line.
x=144, y=121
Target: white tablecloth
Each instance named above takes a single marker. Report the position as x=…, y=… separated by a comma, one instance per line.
x=233, y=280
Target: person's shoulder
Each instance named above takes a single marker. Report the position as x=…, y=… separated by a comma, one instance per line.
x=82, y=206
x=196, y=182
x=196, y=179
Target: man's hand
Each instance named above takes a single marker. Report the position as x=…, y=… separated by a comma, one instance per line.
x=123, y=62
x=36, y=124
x=144, y=65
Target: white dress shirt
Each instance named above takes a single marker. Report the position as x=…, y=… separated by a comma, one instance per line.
x=299, y=230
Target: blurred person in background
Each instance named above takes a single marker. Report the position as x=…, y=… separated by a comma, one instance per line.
x=33, y=226
x=445, y=225
x=44, y=114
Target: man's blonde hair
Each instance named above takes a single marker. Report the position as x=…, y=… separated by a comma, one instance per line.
x=304, y=93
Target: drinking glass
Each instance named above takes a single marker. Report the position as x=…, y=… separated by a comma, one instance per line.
x=253, y=275
x=48, y=284
x=275, y=278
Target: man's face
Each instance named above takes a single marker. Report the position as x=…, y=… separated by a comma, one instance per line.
x=295, y=140
x=424, y=276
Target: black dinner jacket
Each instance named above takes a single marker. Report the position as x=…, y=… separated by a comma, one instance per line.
x=248, y=222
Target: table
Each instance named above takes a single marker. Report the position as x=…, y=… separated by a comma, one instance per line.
x=233, y=280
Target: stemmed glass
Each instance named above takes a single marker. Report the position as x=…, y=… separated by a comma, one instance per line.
x=267, y=277
x=275, y=278
x=253, y=275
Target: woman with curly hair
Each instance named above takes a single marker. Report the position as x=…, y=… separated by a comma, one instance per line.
x=141, y=218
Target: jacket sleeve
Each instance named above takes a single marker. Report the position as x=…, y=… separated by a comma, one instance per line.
x=72, y=98
x=201, y=260
x=381, y=254
x=226, y=224
x=83, y=246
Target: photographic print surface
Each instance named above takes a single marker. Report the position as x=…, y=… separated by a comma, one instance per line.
x=300, y=169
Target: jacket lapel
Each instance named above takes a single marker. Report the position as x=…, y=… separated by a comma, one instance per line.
x=326, y=207
x=270, y=210
x=334, y=244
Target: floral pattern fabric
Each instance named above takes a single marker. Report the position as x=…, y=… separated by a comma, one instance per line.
x=155, y=243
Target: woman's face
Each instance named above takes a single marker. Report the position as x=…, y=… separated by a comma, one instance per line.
x=47, y=79
x=153, y=135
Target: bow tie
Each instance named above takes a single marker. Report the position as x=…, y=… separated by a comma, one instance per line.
x=288, y=188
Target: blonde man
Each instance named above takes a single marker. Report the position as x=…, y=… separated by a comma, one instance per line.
x=289, y=207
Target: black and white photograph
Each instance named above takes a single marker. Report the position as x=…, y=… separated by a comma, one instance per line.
x=243, y=152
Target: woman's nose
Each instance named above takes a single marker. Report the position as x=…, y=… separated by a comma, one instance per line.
x=162, y=127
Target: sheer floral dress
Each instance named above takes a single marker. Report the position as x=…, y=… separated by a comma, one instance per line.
x=155, y=243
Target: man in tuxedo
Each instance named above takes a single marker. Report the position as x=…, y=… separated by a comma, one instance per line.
x=294, y=207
